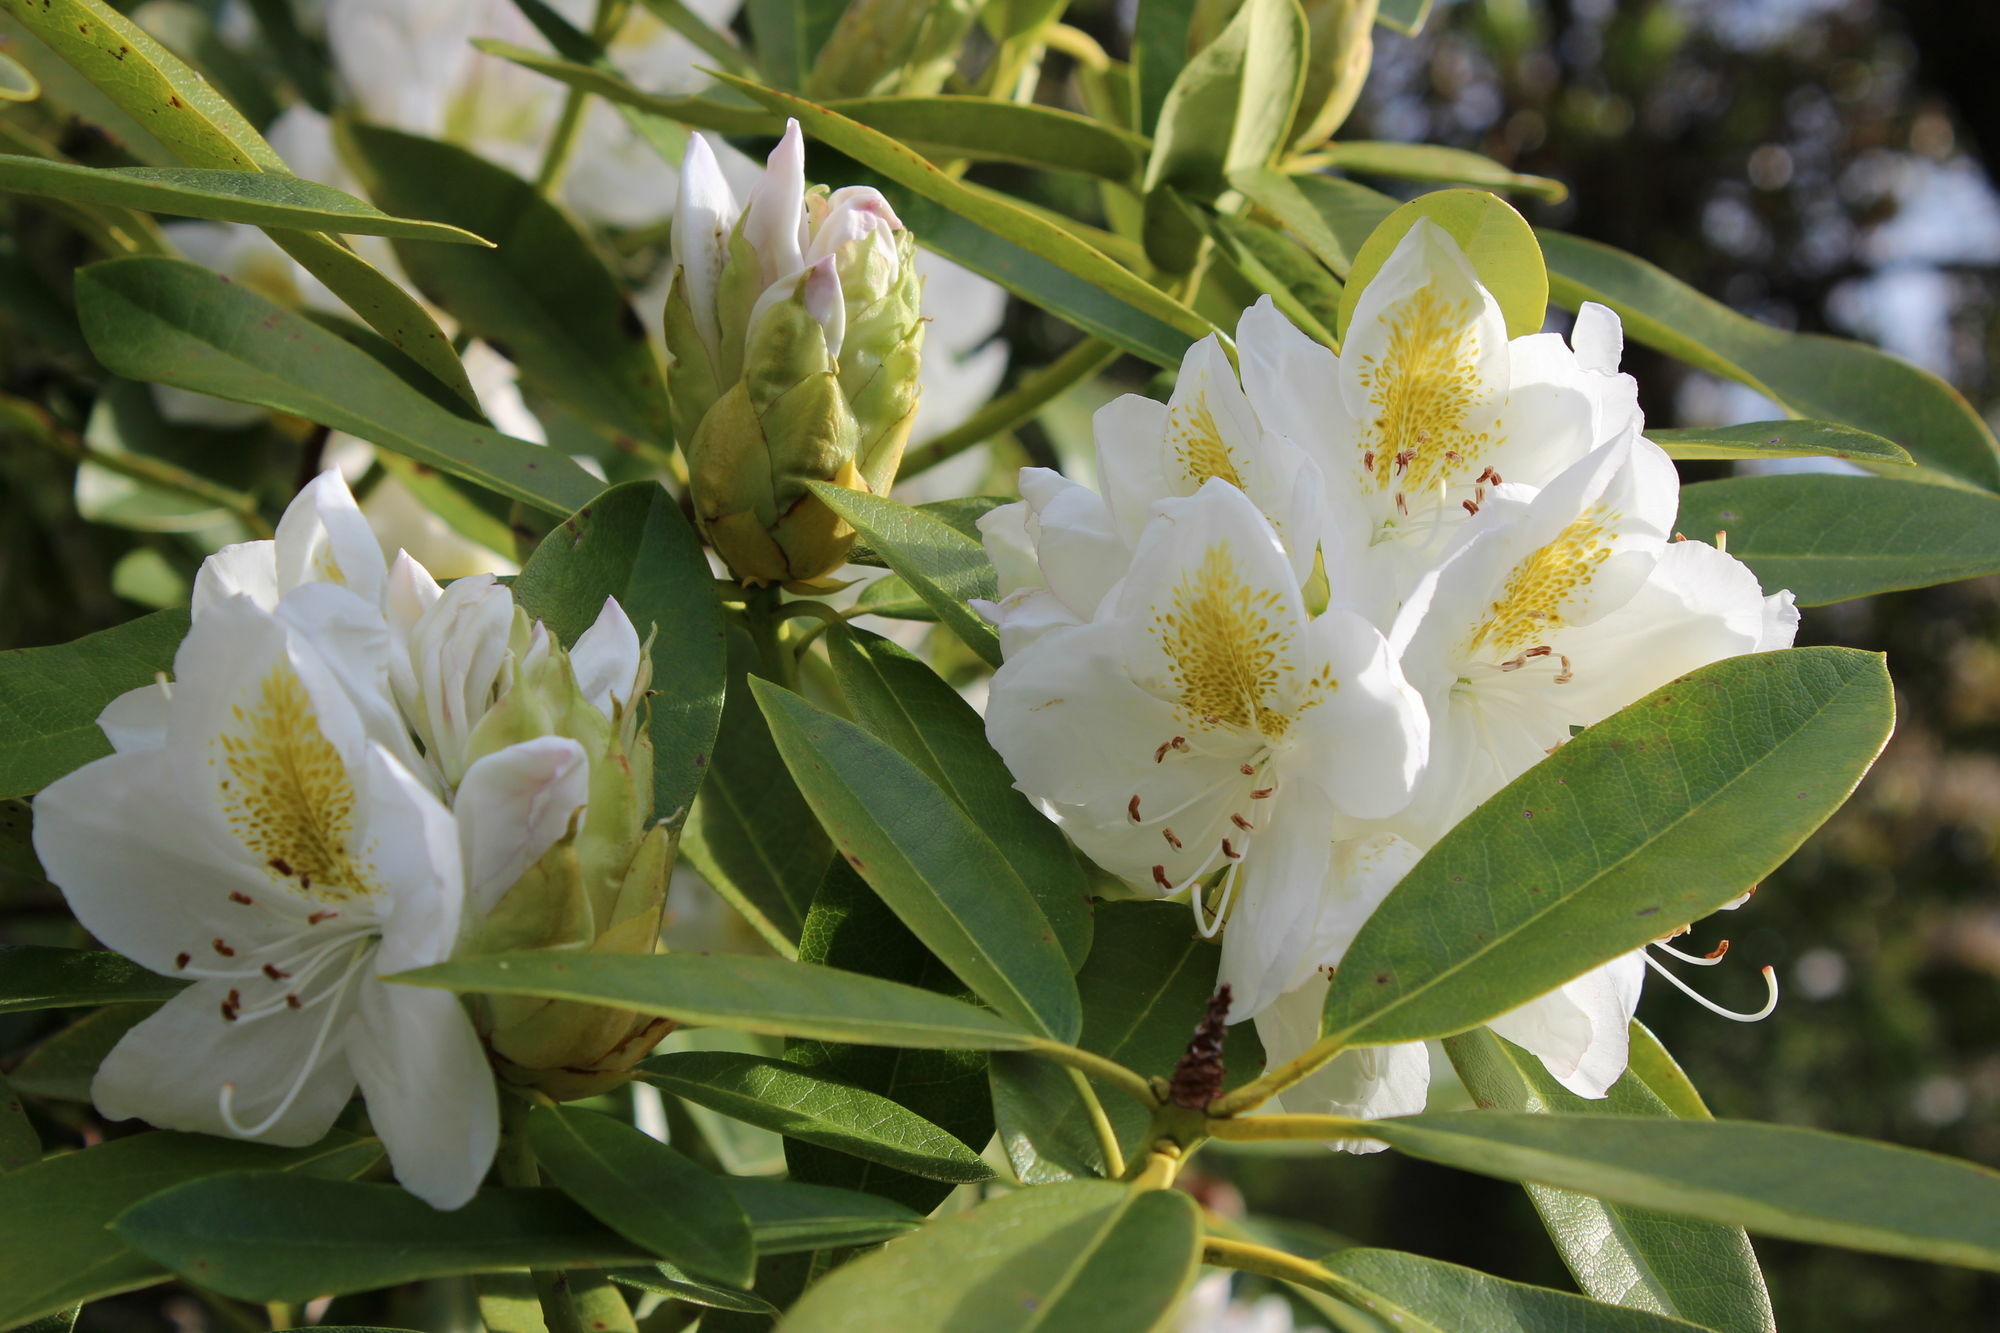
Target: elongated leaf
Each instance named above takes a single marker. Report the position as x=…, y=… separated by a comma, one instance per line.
x=1497, y=241
x=625, y=1178
x=937, y=870
x=665, y=137
x=787, y=1217
x=56, y=1246
x=50, y=697
x=1832, y=538
x=767, y=995
x=1082, y=1255
x=1698, y=1271
x=176, y=323
x=1777, y=1180
x=961, y=515
x=850, y=927
x=985, y=130
x=1159, y=51
x=1780, y=439
x=1651, y=1064
x=1271, y=263
x=787, y=1099
x=1284, y=198
x=19, y=1144
x=667, y=1280
x=259, y=198
x=1419, y=1294
x=788, y=35
x=633, y=543
x=1040, y=238
x=62, y=1066
x=1436, y=162
x=906, y=705
x=1230, y=107
x=944, y=566
x=719, y=110
x=1654, y=817
x=544, y=294
x=34, y=976
x=1405, y=16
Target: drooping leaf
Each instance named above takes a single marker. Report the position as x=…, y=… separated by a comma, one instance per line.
x=625, y=1178
x=907, y=706
x=790, y=1100
x=768, y=995
x=938, y=871
x=1429, y=1296
x=1830, y=538
x=50, y=697
x=543, y=293
x=1439, y=163
x=176, y=323
x=1654, y=817
x=633, y=543
x=1779, y=439
x=1776, y=1180
x=944, y=566
x=1081, y=1255
x=1699, y=1271
x=1498, y=242
x=56, y=1246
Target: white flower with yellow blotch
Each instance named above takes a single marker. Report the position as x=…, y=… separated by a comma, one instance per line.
x=1199, y=729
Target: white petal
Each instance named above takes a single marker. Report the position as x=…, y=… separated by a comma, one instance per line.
x=429, y=1090
x=606, y=658
x=513, y=805
x=1292, y=382
x=1598, y=337
x=246, y=569
x=1080, y=555
x=415, y=859
x=137, y=719
x=1129, y=432
x=703, y=217
x=1367, y=1084
x=1004, y=531
x=1370, y=733
x=774, y=217
x=170, y=1070
x=1581, y=1029
x=323, y=538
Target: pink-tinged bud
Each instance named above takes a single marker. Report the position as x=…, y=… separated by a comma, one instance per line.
x=774, y=220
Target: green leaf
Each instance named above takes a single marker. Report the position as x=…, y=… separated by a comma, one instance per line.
x=1231, y=106
x=770, y=880
x=1436, y=162
x=850, y=927
x=1274, y=265
x=1812, y=376
x=1405, y=16
x=767, y=995
x=1418, y=1294
x=961, y=515
x=62, y=1066
x=714, y=109
x=1776, y=1180
x=666, y=1280
x=787, y=1099
x=50, y=697
x=1159, y=52
x=1082, y=1255
x=544, y=294
x=1654, y=817
x=938, y=871
x=1698, y=1271
x=1830, y=538
x=56, y=1246
x=787, y=1217
x=17, y=82
x=908, y=706
x=632, y=543
x=1780, y=439
x=941, y=564
x=35, y=976
x=263, y=199
x=172, y=322
x=665, y=137
x=1149, y=322
x=1286, y=199
x=788, y=35
x=1497, y=241
x=622, y=1176
x=1649, y=1062
x=19, y=1144
x=984, y=130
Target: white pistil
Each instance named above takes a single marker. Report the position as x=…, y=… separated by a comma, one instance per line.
x=1770, y=985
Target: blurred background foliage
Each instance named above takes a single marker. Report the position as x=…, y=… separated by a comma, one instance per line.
x=1823, y=165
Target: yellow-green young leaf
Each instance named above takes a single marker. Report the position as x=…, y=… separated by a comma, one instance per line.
x=944, y=566
x=906, y=705
x=56, y=1245
x=790, y=1100
x=1703, y=1272
x=50, y=697
x=1231, y=106
x=36, y=976
x=633, y=543
x=171, y=322
x=1405, y=16
x=1417, y=1295
x=1832, y=538
x=625, y=1178
x=17, y=82
x=1654, y=817
x=1780, y=439
x=1436, y=162
x=1081, y=1255
x=985, y=130
x=263, y=199
x=1775, y=1180
x=1652, y=1065
x=1497, y=241
x=766, y=995
x=938, y=870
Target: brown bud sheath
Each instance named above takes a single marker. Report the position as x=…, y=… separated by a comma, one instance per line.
x=1197, y=1078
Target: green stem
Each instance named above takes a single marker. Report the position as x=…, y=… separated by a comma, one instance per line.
x=604, y=26
x=1107, y=1137
x=1079, y=363
x=282, y=1314
x=1267, y=1128
x=518, y=1169
x=762, y=616
x=1118, y=1076
x=1274, y=1081
x=1267, y=1262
